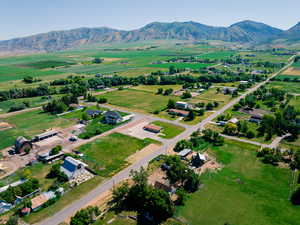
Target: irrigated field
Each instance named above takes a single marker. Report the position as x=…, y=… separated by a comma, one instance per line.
x=291, y=87
x=138, y=100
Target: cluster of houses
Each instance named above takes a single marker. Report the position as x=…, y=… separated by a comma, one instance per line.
x=180, y=110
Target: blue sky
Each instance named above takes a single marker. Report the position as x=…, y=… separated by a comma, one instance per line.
x=26, y=17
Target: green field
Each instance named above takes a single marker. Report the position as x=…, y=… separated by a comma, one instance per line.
x=193, y=66
x=244, y=192
x=107, y=155
x=169, y=130
x=291, y=87
x=28, y=124
x=138, y=100
x=284, y=76
x=47, y=64
x=154, y=88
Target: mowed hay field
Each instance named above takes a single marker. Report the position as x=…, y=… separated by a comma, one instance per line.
x=28, y=124
x=244, y=192
x=138, y=100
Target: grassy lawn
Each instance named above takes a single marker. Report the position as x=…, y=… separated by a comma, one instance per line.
x=169, y=130
x=295, y=101
x=107, y=155
x=292, y=87
x=260, y=198
x=29, y=124
x=138, y=100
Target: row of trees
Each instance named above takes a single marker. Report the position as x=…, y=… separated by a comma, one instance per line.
x=10, y=195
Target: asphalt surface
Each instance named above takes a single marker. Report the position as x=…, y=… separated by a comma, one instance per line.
x=71, y=209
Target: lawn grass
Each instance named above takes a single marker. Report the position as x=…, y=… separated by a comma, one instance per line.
x=169, y=130
x=244, y=192
x=28, y=124
x=143, y=101
x=47, y=64
x=107, y=155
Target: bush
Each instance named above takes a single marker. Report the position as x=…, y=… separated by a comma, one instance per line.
x=56, y=150
x=102, y=100
x=250, y=134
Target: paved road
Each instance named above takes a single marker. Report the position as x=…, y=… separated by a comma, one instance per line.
x=77, y=205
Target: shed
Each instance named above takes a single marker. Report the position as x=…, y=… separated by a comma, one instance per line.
x=21, y=144
x=185, y=152
x=152, y=128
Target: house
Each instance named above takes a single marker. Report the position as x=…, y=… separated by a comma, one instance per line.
x=4, y=206
x=73, y=167
x=198, y=160
x=152, y=128
x=38, y=201
x=47, y=158
x=45, y=135
x=21, y=144
x=99, y=75
x=178, y=112
x=93, y=113
x=229, y=90
x=256, y=118
x=182, y=105
x=113, y=117
x=257, y=72
x=25, y=211
x=233, y=120
x=243, y=82
x=184, y=153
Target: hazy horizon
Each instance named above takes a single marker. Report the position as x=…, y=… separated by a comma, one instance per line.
x=34, y=16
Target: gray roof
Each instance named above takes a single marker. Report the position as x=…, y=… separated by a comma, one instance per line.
x=184, y=152
x=113, y=114
x=70, y=166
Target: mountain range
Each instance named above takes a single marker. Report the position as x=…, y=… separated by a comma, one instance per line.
x=241, y=32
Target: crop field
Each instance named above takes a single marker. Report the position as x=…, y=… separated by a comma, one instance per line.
x=47, y=64
x=266, y=56
x=28, y=124
x=169, y=130
x=295, y=101
x=107, y=155
x=244, y=192
x=291, y=87
x=138, y=100
x=292, y=71
x=284, y=77
x=217, y=55
x=183, y=65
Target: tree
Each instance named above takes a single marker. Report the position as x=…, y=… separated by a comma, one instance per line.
x=56, y=150
x=295, y=199
x=160, y=91
x=172, y=70
x=171, y=104
x=97, y=60
x=102, y=100
x=182, y=144
x=192, y=182
x=168, y=91
x=85, y=216
x=186, y=95
x=28, y=79
x=13, y=220
x=181, y=196
x=230, y=128
x=209, y=106
x=191, y=115
x=250, y=134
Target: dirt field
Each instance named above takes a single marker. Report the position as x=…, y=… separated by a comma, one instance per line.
x=142, y=153
x=292, y=71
